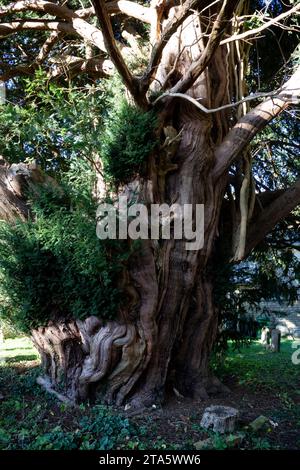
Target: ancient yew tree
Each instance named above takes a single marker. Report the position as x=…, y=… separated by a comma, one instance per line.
x=186, y=71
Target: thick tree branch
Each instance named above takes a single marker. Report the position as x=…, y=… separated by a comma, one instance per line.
x=130, y=81
x=43, y=6
x=77, y=27
x=15, y=180
x=253, y=122
x=125, y=7
x=73, y=24
x=6, y=29
x=271, y=215
x=47, y=47
x=30, y=69
x=215, y=37
x=69, y=65
x=98, y=67
x=135, y=10
x=169, y=30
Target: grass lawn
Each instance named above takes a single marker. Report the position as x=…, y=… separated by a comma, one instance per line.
x=259, y=368
x=18, y=350
x=261, y=383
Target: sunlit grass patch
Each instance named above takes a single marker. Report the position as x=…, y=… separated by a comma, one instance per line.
x=257, y=367
x=18, y=349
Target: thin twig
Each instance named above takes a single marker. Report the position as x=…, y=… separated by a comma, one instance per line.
x=272, y=94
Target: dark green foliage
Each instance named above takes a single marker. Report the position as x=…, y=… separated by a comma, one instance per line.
x=53, y=126
x=54, y=266
x=276, y=164
x=127, y=140
x=40, y=423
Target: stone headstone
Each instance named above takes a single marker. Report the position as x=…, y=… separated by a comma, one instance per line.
x=275, y=340
x=219, y=418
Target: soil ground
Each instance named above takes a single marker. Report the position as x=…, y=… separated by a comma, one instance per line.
x=261, y=383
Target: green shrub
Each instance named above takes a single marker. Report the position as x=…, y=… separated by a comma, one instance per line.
x=54, y=266
x=9, y=330
x=53, y=126
x=127, y=140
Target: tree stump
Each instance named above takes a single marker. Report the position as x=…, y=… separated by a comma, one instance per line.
x=220, y=418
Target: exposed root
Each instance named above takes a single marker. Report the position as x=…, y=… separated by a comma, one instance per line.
x=46, y=384
x=114, y=352
x=61, y=352
x=79, y=355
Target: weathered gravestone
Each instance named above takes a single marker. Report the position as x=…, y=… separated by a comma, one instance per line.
x=275, y=340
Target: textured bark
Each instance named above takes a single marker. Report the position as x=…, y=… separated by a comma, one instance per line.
x=76, y=356
x=15, y=180
x=61, y=354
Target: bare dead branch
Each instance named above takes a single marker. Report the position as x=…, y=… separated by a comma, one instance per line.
x=195, y=102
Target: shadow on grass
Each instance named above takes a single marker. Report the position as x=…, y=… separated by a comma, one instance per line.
x=29, y=357
x=17, y=348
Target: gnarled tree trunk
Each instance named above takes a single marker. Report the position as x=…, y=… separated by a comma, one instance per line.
x=168, y=333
